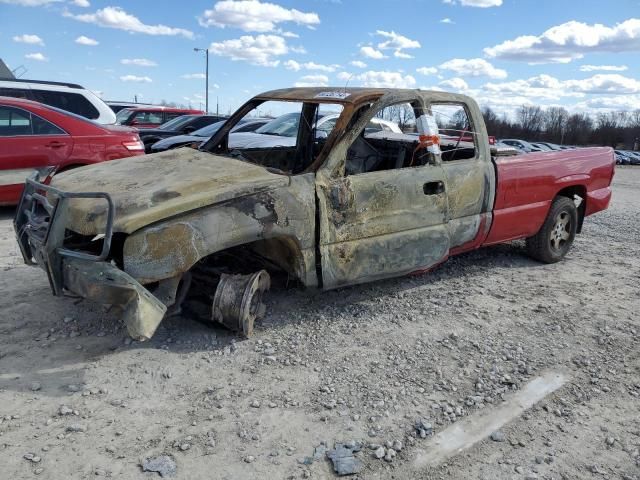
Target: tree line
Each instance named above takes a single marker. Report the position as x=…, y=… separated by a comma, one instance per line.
x=616, y=129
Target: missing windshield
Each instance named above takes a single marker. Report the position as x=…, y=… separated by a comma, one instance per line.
x=287, y=138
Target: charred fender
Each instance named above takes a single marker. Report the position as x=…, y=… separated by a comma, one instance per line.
x=172, y=247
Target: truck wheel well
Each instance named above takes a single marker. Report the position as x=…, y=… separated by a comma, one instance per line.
x=271, y=254
x=573, y=192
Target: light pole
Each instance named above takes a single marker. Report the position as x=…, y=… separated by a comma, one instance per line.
x=206, y=92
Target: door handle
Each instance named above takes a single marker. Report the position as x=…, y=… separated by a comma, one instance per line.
x=433, y=188
x=55, y=144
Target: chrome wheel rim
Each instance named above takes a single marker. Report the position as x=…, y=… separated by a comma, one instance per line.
x=561, y=231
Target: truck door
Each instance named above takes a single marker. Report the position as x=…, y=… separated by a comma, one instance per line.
x=384, y=212
x=469, y=172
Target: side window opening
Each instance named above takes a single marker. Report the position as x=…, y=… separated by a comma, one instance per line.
x=458, y=138
x=389, y=141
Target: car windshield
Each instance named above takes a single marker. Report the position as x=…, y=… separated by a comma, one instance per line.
x=123, y=115
x=176, y=123
x=208, y=130
x=285, y=125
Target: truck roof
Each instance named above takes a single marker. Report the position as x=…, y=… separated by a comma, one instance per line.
x=342, y=95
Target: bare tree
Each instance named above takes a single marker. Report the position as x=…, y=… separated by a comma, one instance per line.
x=531, y=121
x=578, y=130
x=555, y=123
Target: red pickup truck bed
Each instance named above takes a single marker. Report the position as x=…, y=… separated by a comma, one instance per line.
x=527, y=184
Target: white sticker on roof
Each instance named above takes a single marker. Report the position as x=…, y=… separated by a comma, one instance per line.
x=340, y=95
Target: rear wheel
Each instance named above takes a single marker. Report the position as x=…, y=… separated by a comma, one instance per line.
x=554, y=239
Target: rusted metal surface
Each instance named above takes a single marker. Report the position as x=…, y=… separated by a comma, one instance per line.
x=106, y=284
x=151, y=188
x=286, y=214
x=238, y=301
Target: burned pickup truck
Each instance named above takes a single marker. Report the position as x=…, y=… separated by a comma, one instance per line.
x=330, y=204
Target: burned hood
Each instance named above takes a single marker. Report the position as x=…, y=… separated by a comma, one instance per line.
x=154, y=187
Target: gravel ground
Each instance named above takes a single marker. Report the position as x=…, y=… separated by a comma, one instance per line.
x=358, y=366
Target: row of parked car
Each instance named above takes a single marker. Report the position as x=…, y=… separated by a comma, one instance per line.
x=529, y=147
x=627, y=157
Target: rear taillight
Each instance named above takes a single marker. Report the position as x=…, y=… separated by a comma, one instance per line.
x=134, y=145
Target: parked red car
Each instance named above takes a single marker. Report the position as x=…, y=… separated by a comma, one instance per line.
x=37, y=137
x=151, y=116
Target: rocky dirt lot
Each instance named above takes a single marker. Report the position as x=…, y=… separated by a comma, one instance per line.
x=362, y=366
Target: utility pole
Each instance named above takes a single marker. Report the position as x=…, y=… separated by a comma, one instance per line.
x=206, y=76
x=217, y=107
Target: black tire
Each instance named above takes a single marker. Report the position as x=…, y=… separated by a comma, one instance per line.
x=555, y=237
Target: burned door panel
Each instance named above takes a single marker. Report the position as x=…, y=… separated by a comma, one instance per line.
x=469, y=183
x=382, y=224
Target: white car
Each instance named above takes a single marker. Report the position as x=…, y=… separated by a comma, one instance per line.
x=282, y=131
x=66, y=96
x=521, y=144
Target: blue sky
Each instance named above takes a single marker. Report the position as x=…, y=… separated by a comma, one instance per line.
x=579, y=54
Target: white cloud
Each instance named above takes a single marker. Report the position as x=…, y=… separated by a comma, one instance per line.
x=82, y=40
x=138, y=62
x=547, y=88
x=474, y=67
x=447, y=20
x=39, y=57
x=457, y=84
x=358, y=63
x=603, y=68
x=606, y=104
x=427, y=70
x=135, y=78
x=539, y=87
x=81, y=3
x=254, y=16
x=475, y=3
x=401, y=54
x=612, y=83
x=313, y=81
x=30, y=3
x=394, y=41
x=296, y=66
x=194, y=76
x=29, y=39
x=258, y=50
x=116, y=17
x=370, y=52
x=570, y=41
x=380, y=79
